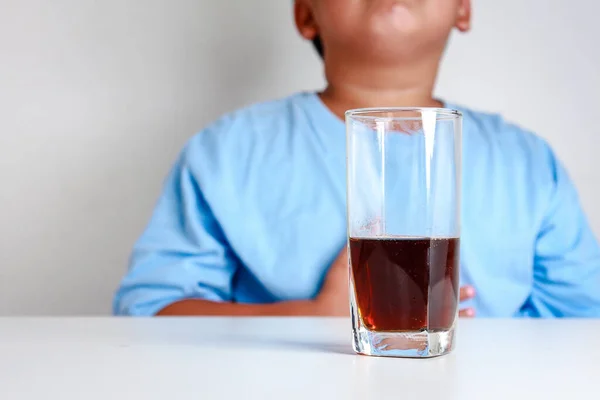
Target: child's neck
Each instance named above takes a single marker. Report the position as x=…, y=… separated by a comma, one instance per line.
x=411, y=86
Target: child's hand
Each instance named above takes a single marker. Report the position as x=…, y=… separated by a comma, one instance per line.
x=333, y=298
x=467, y=293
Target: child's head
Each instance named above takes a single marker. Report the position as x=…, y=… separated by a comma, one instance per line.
x=380, y=31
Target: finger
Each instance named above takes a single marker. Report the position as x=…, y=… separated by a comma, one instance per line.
x=467, y=313
x=467, y=293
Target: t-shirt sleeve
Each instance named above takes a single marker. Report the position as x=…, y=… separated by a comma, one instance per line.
x=182, y=254
x=567, y=255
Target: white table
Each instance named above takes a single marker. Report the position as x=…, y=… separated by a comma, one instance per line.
x=252, y=358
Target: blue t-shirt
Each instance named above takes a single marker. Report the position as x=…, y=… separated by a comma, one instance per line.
x=254, y=212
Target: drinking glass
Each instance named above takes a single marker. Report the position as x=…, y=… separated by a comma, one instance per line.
x=403, y=188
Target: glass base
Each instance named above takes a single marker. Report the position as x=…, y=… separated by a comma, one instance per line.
x=420, y=344
x=424, y=343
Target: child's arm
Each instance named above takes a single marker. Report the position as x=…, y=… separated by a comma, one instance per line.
x=182, y=264
x=193, y=307
x=331, y=301
x=567, y=260
x=182, y=254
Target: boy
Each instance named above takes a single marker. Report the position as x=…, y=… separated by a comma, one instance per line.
x=252, y=218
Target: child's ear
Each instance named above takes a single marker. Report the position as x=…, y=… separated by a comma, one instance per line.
x=463, y=19
x=305, y=20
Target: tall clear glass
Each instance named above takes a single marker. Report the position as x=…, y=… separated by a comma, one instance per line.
x=403, y=171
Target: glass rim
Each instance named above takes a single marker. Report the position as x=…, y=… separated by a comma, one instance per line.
x=369, y=113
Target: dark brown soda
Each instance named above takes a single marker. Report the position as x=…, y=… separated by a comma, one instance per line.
x=405, y=284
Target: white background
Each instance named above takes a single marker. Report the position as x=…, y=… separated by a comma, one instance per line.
x=97, y=98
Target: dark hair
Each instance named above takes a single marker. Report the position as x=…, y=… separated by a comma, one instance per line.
x=318, y=45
